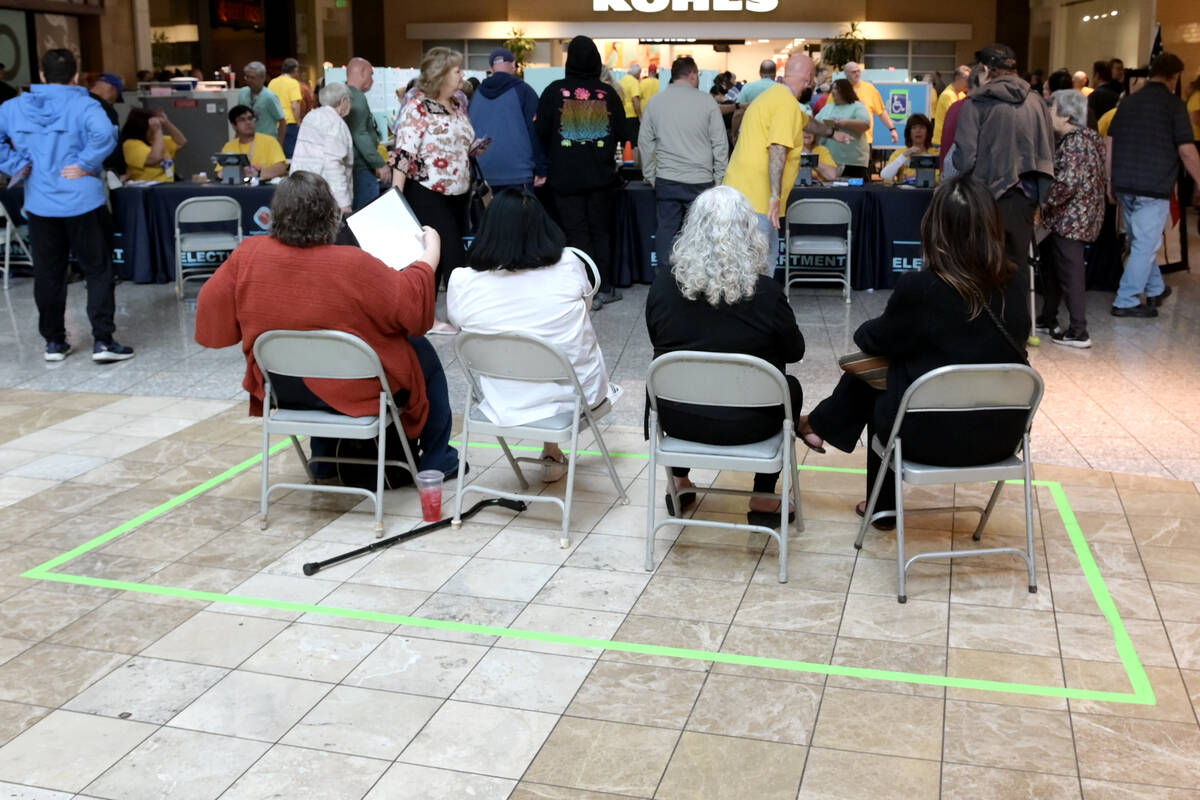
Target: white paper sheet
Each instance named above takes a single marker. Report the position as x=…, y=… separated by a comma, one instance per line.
x=388, y=230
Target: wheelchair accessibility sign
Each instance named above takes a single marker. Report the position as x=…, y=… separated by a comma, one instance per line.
x=897, y=104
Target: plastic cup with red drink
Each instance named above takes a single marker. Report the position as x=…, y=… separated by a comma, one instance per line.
x=429, y=486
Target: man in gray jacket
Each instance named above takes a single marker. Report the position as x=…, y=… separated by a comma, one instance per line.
x=1006, y=139
x=683, y=148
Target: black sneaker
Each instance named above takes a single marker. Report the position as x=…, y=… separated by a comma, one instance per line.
x=1157, y=300
x=1044, y=326
x=1070, y=338
x=1135, y=311
x=57, y=351
x=105, y=352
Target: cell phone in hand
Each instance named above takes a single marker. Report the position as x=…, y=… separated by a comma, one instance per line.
x=479, y=146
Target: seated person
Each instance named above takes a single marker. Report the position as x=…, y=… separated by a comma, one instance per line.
x=149, y=142
x=716, y=299
x=937, y=317
x=264, y=152
x=521, y=280
x=296, y=279
x=826, y=167
x=917, y=136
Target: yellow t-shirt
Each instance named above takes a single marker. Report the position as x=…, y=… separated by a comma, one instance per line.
x=136, y=151
x=1105, y=120
x=870, y=98
x=265, y=151
x=1193, y=105
x=632, y=88
x=907, y=171
x=288, y=90
x=648, y=87
x=946, y=99
x=1087, y=90
x=824, y=159
x=773, y=118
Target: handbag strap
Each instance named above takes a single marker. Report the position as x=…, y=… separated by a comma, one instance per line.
x=1008, y=337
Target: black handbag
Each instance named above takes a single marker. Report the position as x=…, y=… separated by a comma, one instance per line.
x=479, y=197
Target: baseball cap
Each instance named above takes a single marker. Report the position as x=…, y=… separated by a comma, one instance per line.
x=998, y=56
x=501, y=54
x=114, y=81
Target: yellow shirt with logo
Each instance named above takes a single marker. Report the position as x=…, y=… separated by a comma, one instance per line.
x=775, y=117
x=632, y=88
x=288, y=90
x=265, y=151
x=136, y=152
x=870, y=97
x=946, y=99
x=907, y=171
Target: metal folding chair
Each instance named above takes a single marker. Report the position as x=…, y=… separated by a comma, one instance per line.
x=722, y=379
x=203, y=211
x=818, y=211
x=960, y=389
x=13, y=238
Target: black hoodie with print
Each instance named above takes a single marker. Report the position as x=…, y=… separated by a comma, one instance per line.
x=580, y=120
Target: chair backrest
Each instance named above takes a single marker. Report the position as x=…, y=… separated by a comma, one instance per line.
x=592, y=268
x=819, y=211
x=512, y=356
x=716, y=379
x=197, y=210
x=974, y=387
x=318, y=354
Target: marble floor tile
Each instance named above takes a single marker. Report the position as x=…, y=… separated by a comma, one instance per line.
x=300, y=772
x=689, y=598
x=1133, y=597
x=920, y=659
x=412, y=782
x=986, y=783
x=877, y=576
x=50, y=675
x=1177, y=602
x=1008, y=668
x=1009, y=737
x=1006, y=630
x=15, y=718
x=251, y=706
x=767, y=643
x=416, y=666
x=360, y=597
x=487, y=740
x=725, y=767
x=1172, y=703
x=66, y=751
x=35, y=614
x=574, y=622
x=597, y=590
x=457, y=608
x=406, y=569
x=122, y=626
x=1171, y=563
x=524, y=680
x=604, y=757
x=219, y=640
x=617, y=693
x=843, y=775
x=621, y=553
x=363, y=722
x=917, y=621
x=791, y=607
x=1116, y=748
x=500, y=580
x=147, y=690
x=710, y=561
x=165, y=765
x=684, y=634
x=756, y=708
x=887, y=724
x=314, y=652
x=542, y=791
x=1091, y=638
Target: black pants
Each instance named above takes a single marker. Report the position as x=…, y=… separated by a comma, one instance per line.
x=587, y=220
x=1063, y=274
x=445, y=213
x=671, y=202
x=53, y=239
x=754, y=425
x=1016, y=209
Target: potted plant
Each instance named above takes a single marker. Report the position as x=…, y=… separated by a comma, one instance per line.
x=845, y=47
x=521, y=46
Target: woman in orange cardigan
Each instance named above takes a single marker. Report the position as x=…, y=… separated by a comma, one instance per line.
x=297, y=279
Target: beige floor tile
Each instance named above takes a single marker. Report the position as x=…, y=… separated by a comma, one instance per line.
x=1007, y=630
x=724, y=767
x=715, y=562
x=998, y=582
x=1106, y=790
x=406, y=569
x=363, y=722
x=220, y=640
x=35, y=614
x=147, y=690
x=917, y=621
x=1178, y=602
x=690, y=598
x=411, y=782
x=684, y=634
x=755, y=708
x=17, y=717
x=1185, y=639
x=1172, y=703
x=50, y=675
x=1009, y=737
x=573, y=622
x=877, y=576
x=1091, y=638
x=604, y=757
x=1161, y=504
x=251, y=706
x=525, y=680
x=1115, y=748
x=621, y=553
x=791, y=607
x=239, y=550
x=161, y=541
x=883, y=723
x=66, y=751
x=1134, y=599
x=444, y=607
x=514, y=543
x=486, y=740
x=360, y=597
x=416, y=666
x=920, y=659
x=766, y=643
x=844, y=775
x=1177, y=564
x=986, y=783
x=299, y=772
x=122, y=626
x=17, y=524
x=542, y=791
x=167, y=765
x=594, y=589
x=314, y=652
x=500, y=580
x=1165, y=531
x=1097, y=526
x=619, y=692
x=1009, y=668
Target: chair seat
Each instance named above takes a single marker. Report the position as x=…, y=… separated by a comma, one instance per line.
x=918, y=474
x=674, y=452
x=819, y=245
x=559, y=424
x=322, y=423
x=190, y=242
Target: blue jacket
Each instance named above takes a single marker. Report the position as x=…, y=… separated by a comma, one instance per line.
x=51, y=127
x=503, y=105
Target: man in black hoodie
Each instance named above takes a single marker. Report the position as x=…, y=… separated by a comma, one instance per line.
x=1006, y=139
x=503, y=109
x=580, y=119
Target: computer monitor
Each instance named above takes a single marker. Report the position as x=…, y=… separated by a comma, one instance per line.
x=926, y=167
x=231, y=166
x=808, y=163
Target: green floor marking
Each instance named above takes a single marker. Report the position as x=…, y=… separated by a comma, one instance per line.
x=1142, y=694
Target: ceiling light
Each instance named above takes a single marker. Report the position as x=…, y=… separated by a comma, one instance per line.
x=1113, y=13
x=763, y=41
x=1087, y=18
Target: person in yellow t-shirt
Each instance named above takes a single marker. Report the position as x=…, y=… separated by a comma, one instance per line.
x=1193, y=107
x=1105, y=121
x=916, y=140
x=766, y=160
x=956, y=91
x=826, y=166
x=649, y=86
x=149, y=142
x=870, y=97
x=631, y=90
x=264, y=152
x=287, y=87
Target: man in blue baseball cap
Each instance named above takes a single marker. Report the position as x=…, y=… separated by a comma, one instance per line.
x=108, y=90
x=503, y=109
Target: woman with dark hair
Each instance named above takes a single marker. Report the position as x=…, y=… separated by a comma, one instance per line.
x=149, y=142
x=918, y=131
x=297, y=279
x=850, y=119
x=969, y=305
x=521, y=280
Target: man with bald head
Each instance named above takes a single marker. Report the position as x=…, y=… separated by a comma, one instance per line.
x=370, y=170
x=1079, y=79
x=870, y=98
x=957, y=90
x=766, y=79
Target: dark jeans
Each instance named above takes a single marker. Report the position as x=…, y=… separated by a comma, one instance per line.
x=289, y=138
x=671, y=202
x=587, y=220
x=840, y=418
x=445, y=213
x=1063, y=273
x=750, y=426
x=1016, y=209
x=53, y=239
x=431, y=448
x=366, y=188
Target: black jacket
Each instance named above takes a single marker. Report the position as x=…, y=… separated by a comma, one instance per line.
x=116, y=159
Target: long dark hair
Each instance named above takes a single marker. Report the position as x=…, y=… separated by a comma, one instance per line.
x=845, y=90
x=516, y=233
x=915, y=121
x=962, y=236
x=137, y=125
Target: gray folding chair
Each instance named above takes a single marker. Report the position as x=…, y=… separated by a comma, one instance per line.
x=13, y=239
x=593, y=273
x=818, y=211
x=521, y=357
x=722, y=379
x=960, y=389
x=204, y=211
x=326, y=354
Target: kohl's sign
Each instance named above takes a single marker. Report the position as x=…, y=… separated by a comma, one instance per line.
x=654, y=6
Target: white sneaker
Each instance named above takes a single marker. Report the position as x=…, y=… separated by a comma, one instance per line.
x=553, y=469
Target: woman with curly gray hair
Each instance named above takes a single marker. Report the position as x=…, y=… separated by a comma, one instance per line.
x=715, y=298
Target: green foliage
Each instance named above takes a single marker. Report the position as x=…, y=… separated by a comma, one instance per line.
x=521, y=47
x=848, y=46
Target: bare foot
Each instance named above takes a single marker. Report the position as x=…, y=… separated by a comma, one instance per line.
x=811, y=440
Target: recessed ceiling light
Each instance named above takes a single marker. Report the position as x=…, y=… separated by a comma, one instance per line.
x=1087, y=18
x=1113, y=13
x=763, y=41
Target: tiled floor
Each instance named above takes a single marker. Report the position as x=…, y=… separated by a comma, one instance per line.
x=107, y=693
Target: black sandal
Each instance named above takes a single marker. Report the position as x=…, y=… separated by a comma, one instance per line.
x=686, y=501
x=882, y=524
x=769, y=519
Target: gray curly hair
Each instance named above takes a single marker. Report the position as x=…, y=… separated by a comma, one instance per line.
x=720, y=251
x=1071, y=103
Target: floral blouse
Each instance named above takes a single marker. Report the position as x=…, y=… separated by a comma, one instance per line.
x=1075, y=206
x=432, y=143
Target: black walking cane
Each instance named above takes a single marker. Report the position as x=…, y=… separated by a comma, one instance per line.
x=313, y=567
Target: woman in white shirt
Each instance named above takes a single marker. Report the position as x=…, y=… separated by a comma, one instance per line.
x=521, y=280
x=324, y=145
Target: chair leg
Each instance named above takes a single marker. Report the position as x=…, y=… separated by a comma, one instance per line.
x=266, y=460
x=512, y=462
x=987, y=512
x=612, y=469
x=796, y=488
x=650, y=497
x=874, y=497
x=785, y=530
x=303, y=458
x=565, y=539
x=1032, y=561
x=382, y=433
x=902, y=591
x=456, y=521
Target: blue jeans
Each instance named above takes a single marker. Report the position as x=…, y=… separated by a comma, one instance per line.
x=671, y=202
x=1145, y=220
x=290, y=132
x=366, y=188
x=764, y=225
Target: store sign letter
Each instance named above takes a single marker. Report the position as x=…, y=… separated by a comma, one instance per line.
x=654, y=6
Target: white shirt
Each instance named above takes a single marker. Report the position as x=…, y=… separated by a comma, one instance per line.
x=547, y=303
x=324, y=146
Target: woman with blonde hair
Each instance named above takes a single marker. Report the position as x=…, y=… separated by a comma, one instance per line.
x=715, y=298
